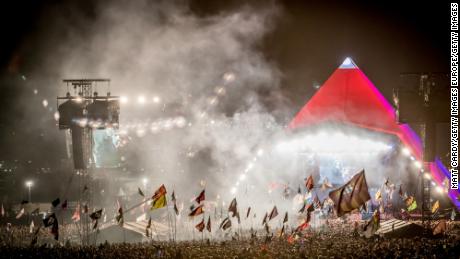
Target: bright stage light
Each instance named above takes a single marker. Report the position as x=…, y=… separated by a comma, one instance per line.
x=141, y=99
x=156, y=99
x=439, y=189
x=233, y=190
x=144, y=181
x=418, y=164
x=29, y=183
x=406, y=151
x=45, y=103
x=427, y=175
x=347, y=61
x=124, y=99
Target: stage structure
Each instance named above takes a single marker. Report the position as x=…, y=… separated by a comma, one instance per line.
x=420, y=100
x=81, y=111
x=349, y=98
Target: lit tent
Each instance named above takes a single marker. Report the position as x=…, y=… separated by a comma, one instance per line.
x=349, y=97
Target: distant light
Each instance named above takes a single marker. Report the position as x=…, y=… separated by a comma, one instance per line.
x=79, y=99
x=141, y=99
x=406, y=151
x=233, y=190
x=418, y=164
x=145, y=181
x=427, y=176
x=156, y=99
x=45, y=103
x=347, y=61
x=229, y=77
x=124, y=99
x=35, y=91
x=56, y=116
x=316, y=86
x=29, y=183
x=260, y=152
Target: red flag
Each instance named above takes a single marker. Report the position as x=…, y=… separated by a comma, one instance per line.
x=309, y=183
x=200, y=226
x=197, y=211
x=200, y=197
x=159, y=192
x=76, y=214
x=352, y=195
x=301, y=227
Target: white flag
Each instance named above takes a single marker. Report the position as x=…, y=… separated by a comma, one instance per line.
x=32, y=226
x=20, y=213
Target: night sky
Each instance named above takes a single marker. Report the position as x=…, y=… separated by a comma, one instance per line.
x=309, y=40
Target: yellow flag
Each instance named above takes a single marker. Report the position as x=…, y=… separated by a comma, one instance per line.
x=159, y=202
x=435, y=207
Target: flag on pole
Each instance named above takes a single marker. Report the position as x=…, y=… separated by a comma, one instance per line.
x=413, y=205
x=96, y=215
x=273, y=213
x=149, y=224
x=264, y=221
x=285, y=218
x=35, y=236
x=378, y=195
x=247, y=213
x=441, y=227
x=226, y=223
x=201, y=197
x=200, y=226
x=351, y=195
x=51, y=221
x=197, y=211
x=76, y=214
x=303, y=207
x=301, y=227
x=56, y=202
x=232, y=208
x=20, y=214
x=119, y=217
x=282, y=232
x=31, y=227
x=435, y=207
x=453, y=214
x=159, y=198
x=64, y=205
x=208, y=225
x=309, y=183
x=372, y=225
x=140, y=192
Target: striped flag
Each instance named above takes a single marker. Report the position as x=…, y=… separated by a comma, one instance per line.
x=352, y=195
x=309, y=183
x=197, y=211
x=159, y=198
x=435, y=207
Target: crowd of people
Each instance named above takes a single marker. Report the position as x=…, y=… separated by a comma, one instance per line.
x=333, y=242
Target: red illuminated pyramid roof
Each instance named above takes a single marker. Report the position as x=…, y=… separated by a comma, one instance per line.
x=348, y=96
